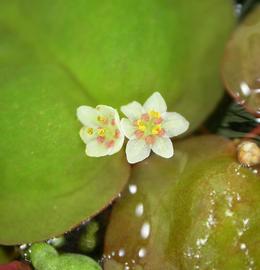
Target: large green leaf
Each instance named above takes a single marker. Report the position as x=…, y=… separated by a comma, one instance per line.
x=241, y=66
x=56, y=55
x=198, y=210
x=48, y=185
x=124, y=50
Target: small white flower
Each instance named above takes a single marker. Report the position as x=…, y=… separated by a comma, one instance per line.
x=149, y=127
x=101, y=131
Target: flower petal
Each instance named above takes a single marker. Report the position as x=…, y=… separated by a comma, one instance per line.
x=137, y=150
x=127, y=128
x=87, y=116
x=133, y=110
x=118, y=145
x=106, y=111
x=96, y=149
x=155, y=103
x=85, y=135
x=163, y=147
x=174, y=124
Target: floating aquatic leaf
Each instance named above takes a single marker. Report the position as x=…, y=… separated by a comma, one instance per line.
x=48, y=184
x=55, y=56
x=198, y=210
x=121, y=51
x=241, y=68
x=45, y=257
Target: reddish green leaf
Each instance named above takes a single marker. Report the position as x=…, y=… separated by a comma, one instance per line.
x=241, y=67
x=198, y=210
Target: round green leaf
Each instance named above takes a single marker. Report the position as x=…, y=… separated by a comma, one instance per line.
x=122, y=51
x=241, y=67
x=48, y=185
x=198, y=210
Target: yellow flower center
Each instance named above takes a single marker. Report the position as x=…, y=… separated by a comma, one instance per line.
x=149, y=126
x=90, y=131
x=141, y=125
x=156, y=129
x=154, y=114
x=101, y=132
x=101, y=119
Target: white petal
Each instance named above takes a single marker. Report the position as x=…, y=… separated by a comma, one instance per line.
x=128, y=128
x=87, y=116
x=118, y=145
x=137, y=150
x=133, y=110
x=85, y=136
x=96, y=149
x=163, y=147
x=106, y=110
x=174, y=124
x=155, y=103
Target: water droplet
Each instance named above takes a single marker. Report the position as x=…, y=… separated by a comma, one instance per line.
x=139, y=210
x=132, y=189
x=243, y=246
x=142, y=252
x=121, y=252
x=145, y=230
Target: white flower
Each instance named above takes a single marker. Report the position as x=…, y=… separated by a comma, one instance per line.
x=149, y=127
x=101, y=131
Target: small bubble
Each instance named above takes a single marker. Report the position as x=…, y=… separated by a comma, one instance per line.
x=121, y=252
x=229, y=213
x=243, y=246
x=139, y=210
x=142, y=252
x=145, y=230
x=132, y=189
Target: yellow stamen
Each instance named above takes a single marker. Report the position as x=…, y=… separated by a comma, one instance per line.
x=154, y=114
x=90, y=131
x=101, y=119
x=156, y=129
x=140, y=125
x=101, y=132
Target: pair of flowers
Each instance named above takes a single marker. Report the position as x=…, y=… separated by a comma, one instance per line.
x=148, y=128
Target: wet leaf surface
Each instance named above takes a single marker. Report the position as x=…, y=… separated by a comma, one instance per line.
x=198, y=210
x=241, y=67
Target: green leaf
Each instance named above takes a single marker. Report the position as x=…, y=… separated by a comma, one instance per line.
x=55, y=56
x=198, y=210
x=122, y=51
x=48, y=185
x=45, y=257
x=241, y=67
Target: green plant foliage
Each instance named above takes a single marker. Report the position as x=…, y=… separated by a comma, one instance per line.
x=48, y=185
x=198, y=210
x=241, y=67
x=88, y=240
x=55, y=56
x=124, y=50
x=45, y=257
